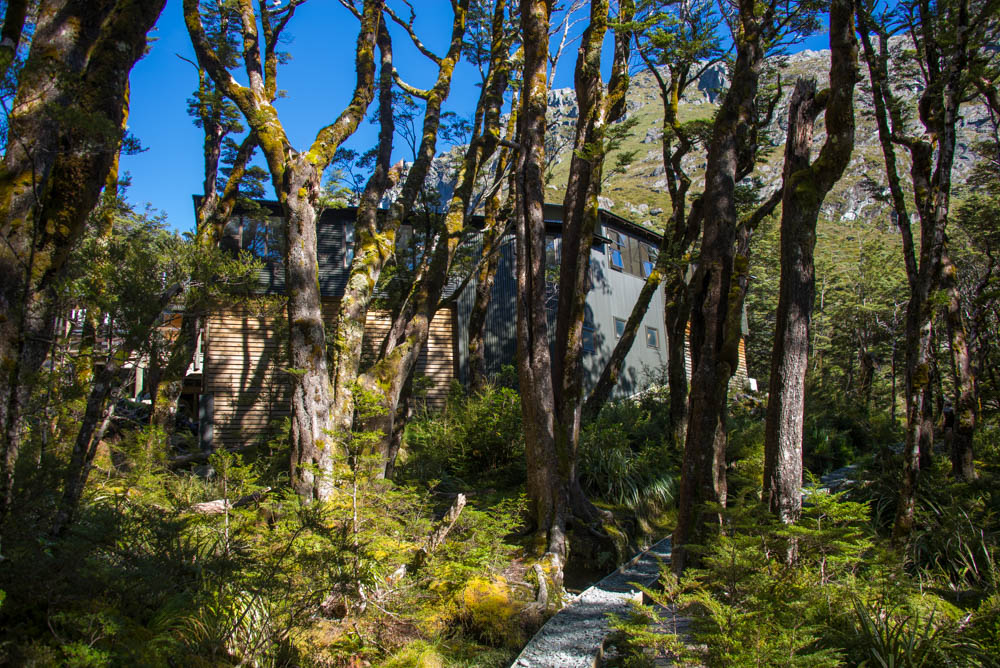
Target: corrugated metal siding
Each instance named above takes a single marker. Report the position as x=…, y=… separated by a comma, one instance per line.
x=330, y=252
x=499, y=339
x=613, y=295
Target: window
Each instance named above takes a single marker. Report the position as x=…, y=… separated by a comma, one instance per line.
x=553, y=251
x=616, y=259
x=348, y=244
x=589, y=338
x=649, y=252
x=261, y=237
x=619, y=328
x=652, y=337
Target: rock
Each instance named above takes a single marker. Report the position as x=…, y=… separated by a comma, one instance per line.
x=714, y=82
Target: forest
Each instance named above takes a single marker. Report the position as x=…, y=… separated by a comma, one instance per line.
x=279, y=432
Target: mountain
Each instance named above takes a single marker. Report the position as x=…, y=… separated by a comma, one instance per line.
x=639, y=193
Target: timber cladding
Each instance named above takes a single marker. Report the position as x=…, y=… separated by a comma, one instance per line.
x=244, y=368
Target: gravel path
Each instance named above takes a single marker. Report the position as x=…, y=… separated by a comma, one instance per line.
x=574, y=637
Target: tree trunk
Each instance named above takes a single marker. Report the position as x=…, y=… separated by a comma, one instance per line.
x=805, y=187
x=944, y=63
x=404, y=411
x=703, y=471
x=677, y=314
x=411, y=327
x=313, y=429
x=182, y=351
x=547, y=483
x=296, y=178
x=376, y=244
x=96, y=417
x=494, y=232
x=964, y=427
x=81, y=55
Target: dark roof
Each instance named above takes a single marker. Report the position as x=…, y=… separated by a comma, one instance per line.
x=333, y=274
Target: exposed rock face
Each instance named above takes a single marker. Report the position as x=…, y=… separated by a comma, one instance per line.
x=640, y=192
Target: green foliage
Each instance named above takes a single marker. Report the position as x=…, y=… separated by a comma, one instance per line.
x=145, y=578
x=476, y=440
x=902, y=636
x=771, y=594
x=626, y=458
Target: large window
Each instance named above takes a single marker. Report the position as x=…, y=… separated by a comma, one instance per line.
x=262, y=237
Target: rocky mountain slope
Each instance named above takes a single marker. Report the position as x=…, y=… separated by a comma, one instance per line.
x=639, y=193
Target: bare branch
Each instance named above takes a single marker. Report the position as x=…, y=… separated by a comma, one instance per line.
x=408, y=27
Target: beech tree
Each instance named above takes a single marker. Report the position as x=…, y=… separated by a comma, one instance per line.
x=375, y=234
x=63, y=134
x=496, y=226
x=550, y=382
x=297, y=180
x=218, y=118
x=410, y=328
x=682, y=39
x=945, y=35
x=805, y=186
x=719, y=283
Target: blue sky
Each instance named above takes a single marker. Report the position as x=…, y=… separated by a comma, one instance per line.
x=318, y=81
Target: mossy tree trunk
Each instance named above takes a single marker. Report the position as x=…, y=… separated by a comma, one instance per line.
x=410, y=329
x=547, y=481
x=805, y=187
x=53, y=172
x=214, y=114
x=946, y=39
x=965, y=404
x=550, y=383
x=599, y=106
x=714, y=325
x=375, y=244
x=495, y=230
x=297, y=179
x=684, y=66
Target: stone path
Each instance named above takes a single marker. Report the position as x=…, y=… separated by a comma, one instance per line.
x=574, y=637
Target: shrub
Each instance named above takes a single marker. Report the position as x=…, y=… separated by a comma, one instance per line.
x=626, y=459
x=476, y=440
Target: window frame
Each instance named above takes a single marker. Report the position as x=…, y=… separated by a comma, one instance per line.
x=656, y=334
x=624, y=324
x=620, y=266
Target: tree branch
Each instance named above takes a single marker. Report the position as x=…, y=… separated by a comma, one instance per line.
x=408, y=27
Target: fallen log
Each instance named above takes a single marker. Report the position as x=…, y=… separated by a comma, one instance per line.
x=219, y=506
